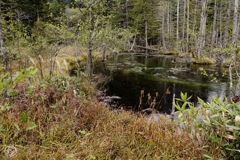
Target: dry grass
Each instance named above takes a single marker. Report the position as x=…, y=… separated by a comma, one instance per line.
x=71, y=126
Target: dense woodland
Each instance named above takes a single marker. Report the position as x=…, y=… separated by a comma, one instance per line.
x=206, y=28
x=47, y=114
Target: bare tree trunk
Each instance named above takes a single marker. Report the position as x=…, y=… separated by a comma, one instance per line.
x=220, y=26
x=163, y=30
x=67, y=14
x=184, y=20
x=126, y=10
x=195, y=16
x=214, y=26
x=90, y=45
x=187, y=25
x=177, y=32
x=104, y=52
x=201, y=38
x=4, y=54
x=235, y=28
x=89, y=60
x=169, y=22
x=225, y=36
x=134, y=41
x=168, y=17
x=146, y=34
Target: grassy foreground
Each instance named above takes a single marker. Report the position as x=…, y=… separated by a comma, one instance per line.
x=59, y=118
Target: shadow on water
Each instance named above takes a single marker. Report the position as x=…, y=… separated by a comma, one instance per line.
x=131, y=73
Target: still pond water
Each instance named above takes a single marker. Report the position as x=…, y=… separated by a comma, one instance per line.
x=129, y=73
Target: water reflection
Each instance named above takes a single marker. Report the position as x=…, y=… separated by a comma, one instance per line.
x=131, y=73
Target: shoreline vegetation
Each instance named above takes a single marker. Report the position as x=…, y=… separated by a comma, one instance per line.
x=46, y=113
x=59, y=117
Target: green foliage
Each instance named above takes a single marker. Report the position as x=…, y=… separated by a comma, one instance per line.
x=217, y=123
x=204, y=60
x=214, y=77
x=184, y=99
x=31, y=126
x=24, y=117
x=7, y=83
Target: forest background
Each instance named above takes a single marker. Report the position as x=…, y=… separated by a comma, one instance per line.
x=206, y=28
x=41, y=39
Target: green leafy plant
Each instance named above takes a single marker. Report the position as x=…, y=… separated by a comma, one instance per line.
x=184, y=100
x=215, y=123
x=25, y=120
x=8, y=84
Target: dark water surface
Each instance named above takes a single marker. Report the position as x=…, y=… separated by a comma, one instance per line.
x=130, y=73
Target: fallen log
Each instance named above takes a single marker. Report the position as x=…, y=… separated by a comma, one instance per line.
x=146, y=48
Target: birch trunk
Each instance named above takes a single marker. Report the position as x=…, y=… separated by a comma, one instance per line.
x=195, y=16
x=220, y=26
x=184, y=20
x=201, y=38
x=235, y=28
x=187, y=25
x=225, y=36
x=177, y=32
x=146, y=34
x=163, y=30
x=168, y=17
x=214, y=26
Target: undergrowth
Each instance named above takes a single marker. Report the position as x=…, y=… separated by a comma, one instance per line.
x=204, y=60
x=59, y=118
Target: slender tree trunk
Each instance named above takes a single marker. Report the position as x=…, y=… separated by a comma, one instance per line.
x=214, y=26
x=163, y=30
x=104, y=52
x=67, y=14
x=168, y=17
x=77, y=61
x=195, y=16
x=187, y=25
x=4, y=54
x=51, y=62
x=126, y=10
x=127, y=42
x=169, y=21
x=89, y=60
x=90, y=45
x=235, y=28
x=177, y=32
x=220, y=26
x=146, y=34
x=201, y=38
x=225, y=36
x=134, y=41
x=184, y=20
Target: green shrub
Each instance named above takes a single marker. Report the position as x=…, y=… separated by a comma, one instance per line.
x=215, y=124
